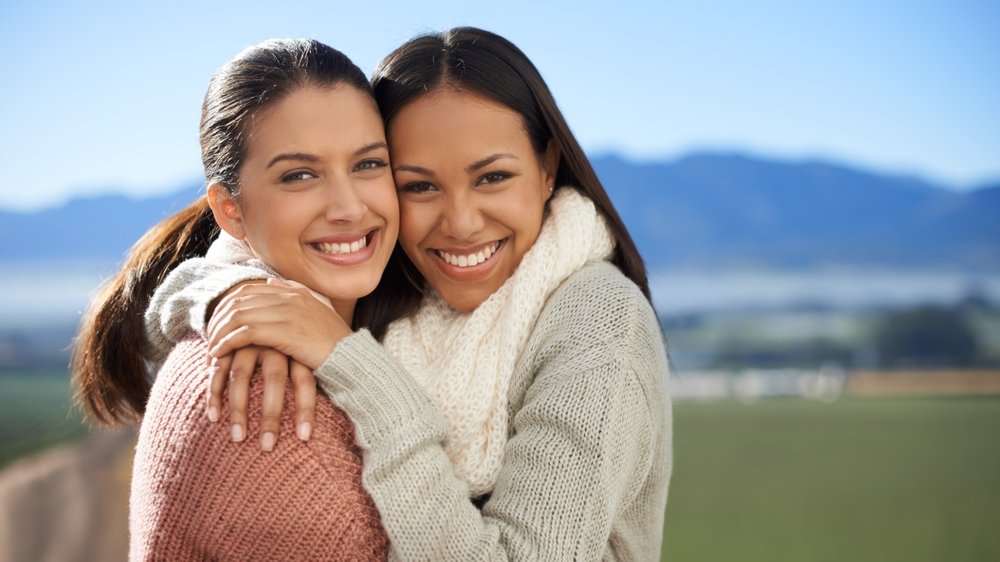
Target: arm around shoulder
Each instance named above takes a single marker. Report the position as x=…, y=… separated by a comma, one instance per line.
x=182, y=301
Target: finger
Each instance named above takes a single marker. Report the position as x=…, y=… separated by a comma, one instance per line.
x=274, y=369
x=257, y=310
x=240, y=297
x=241, y=337
x=305, y=398
x=219, y=369
x=246, y=311
x=240, y=373
x=218, y=306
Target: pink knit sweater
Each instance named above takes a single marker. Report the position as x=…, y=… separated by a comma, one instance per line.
x=196, y=495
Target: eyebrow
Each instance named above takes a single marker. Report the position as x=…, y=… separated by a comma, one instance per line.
x=306, y=157
x=370, y=147
x=300, y=156
x=477, y=165
x=415, y=169
x=487, y=161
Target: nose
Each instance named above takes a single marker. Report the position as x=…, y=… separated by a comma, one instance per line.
x=462, y=218
x=344, y=203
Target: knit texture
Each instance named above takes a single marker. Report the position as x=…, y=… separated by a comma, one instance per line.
x=197, y=496
x=465, y=360
x=180, y=304
x=588, y=457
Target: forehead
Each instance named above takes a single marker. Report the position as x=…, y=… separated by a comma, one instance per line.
x=314, y=117
x=460, y=121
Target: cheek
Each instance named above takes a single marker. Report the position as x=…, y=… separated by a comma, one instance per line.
x=527, y=213
x=382, y=202
x=413, y=224
x=278, y=221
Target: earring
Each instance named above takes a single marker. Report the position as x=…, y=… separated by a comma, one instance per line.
x=551, y=187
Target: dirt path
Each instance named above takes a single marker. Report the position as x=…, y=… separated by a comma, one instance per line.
x=70, y=504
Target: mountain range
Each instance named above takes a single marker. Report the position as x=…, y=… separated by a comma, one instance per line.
x=703, y=211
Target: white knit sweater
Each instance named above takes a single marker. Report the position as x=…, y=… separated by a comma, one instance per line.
x=469, y=378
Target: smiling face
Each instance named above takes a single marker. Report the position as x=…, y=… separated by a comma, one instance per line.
x=472, y=192
x=317, y=202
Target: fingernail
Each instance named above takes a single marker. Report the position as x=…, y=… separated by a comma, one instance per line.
x=305, y=430
x=267, y=441
x=237, y=432
x=213, y=414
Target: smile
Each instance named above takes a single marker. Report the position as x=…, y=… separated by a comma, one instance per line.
x=471, y=259
x=346, y=250
x=341, y=247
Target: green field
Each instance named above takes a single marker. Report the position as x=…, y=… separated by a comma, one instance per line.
x=778, y=480
x=860, y=480
x=35, y=413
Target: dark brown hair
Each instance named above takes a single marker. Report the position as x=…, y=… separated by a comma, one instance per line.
x=110, y=360
x=493, y=67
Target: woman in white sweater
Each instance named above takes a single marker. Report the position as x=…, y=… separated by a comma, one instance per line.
x=520, y=412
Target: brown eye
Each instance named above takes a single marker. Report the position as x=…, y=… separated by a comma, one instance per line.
x=493, y=177
x=417, y=187
x=297, y=175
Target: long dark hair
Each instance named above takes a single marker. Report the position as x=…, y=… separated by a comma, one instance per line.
x=110, y=358
x=493, y=67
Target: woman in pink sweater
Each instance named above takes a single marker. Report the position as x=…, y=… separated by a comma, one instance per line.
x=297, y=166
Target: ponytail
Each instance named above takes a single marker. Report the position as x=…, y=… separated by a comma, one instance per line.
x=109, y=366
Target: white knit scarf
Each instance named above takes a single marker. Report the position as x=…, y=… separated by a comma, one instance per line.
x=466, y=360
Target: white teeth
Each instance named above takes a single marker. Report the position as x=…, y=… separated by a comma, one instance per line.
x=469, y=260
x=342, y=247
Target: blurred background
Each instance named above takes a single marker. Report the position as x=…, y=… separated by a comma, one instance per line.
x=815, y=187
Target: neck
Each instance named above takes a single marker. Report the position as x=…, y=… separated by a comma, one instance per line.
x=345, y=309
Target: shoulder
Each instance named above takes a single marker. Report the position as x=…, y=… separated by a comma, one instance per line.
x=597, y=306
x=598, y=321
x=598, y=315
x=599, y=279
x=193, y=485
x=181, y=376
x=177, y=406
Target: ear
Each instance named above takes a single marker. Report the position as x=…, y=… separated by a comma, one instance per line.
x=226, y=210
x=550, y=167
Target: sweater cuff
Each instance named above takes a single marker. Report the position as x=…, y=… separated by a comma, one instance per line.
x=181, y=302
x=210, y=289
x=379, y=396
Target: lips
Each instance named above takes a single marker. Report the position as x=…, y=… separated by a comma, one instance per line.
x=347, y=249
x=470, y=258
x=343, y=244
x=341, y=247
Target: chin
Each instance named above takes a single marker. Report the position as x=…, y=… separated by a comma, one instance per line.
x=345, y=290
x=465, y=300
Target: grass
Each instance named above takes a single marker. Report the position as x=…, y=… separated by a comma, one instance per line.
x=780, y=480
x=860, y=480
x=35, y=413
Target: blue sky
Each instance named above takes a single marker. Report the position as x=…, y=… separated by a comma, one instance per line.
x=104, y=97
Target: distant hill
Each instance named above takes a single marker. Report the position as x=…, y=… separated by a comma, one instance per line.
x=716, y=210
x=701, y=211
x=97, y=228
